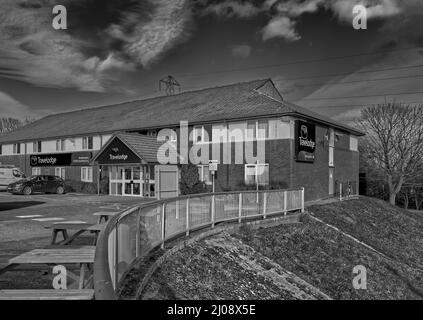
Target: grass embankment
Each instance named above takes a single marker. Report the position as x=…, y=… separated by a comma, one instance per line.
x=311, y=252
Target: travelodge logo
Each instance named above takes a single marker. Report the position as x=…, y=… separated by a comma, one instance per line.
x=304, y=132
x=34, y=161
x=304, y=140
x=117, y=156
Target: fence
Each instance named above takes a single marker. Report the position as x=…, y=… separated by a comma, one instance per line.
x=348, y=190
x=133, y=233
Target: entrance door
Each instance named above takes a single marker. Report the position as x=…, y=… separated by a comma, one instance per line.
x=331, y=182
x=167, y=181
x=132, y=181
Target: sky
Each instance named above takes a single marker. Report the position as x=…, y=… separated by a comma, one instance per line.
x=114, y=51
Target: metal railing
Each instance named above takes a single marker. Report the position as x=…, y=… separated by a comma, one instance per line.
x=348, y=190
x=135, y=232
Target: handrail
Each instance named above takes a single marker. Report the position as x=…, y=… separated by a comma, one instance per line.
x=109, y=249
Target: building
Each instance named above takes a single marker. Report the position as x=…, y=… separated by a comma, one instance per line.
x=115, y=147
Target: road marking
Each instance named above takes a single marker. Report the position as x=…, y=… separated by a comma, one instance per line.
x=74, y=222
x=48, y=219
x=30, y=216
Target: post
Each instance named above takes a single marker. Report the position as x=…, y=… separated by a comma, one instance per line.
x=213, y=209
x=240, y=208
x=285, y=195
x=116, y=256
x=137, y=236
x=264, y=204
x=340, y=191
x=302, y=199
x=98, y=179
x=163, y=224
x=187, y=219
x=213, y=190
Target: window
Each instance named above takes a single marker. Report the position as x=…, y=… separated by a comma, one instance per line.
x=257, y=129
x=353, y=144
x=198, y=134
x=36, y=146
x=60, y=145
x=204, y=174
x=87, y=143
x=60, y=172
x=36, y=171
x=87, y=174
x=257, y=174
x=17, y=148
x=263, y=129
x=1, y=149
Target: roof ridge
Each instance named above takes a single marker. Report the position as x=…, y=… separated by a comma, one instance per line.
x=154, y=98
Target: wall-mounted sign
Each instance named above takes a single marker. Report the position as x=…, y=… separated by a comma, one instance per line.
x=50, y=160
x=117, y=153
x=305, y=141
x=81, y=158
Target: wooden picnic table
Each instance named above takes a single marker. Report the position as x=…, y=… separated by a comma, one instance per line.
x=104, y=215
x=80, y=227
x=84, y=256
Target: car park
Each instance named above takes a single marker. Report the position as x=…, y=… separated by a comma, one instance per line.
x=38, y=184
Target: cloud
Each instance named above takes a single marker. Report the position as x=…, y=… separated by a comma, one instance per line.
x=168, y=27
x=9, y=107
x=92, y=53
x=375, y=9
x=241, y=51
x=280, y=27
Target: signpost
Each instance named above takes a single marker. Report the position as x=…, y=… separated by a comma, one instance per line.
x=213, y=170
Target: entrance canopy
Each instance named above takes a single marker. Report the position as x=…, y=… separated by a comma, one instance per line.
x=128, y=148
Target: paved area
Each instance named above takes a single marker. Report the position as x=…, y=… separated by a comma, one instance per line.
x=22, y=217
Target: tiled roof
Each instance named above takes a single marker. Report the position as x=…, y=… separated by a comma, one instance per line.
x=144, y=146
x=241, y=100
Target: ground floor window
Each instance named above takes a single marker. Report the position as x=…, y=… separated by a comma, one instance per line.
x=60, y=172
x=36, y=171
x=204, y=174
x=257, y=174
x=87, y=174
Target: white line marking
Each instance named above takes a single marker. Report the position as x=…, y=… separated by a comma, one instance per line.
x=30, y=216
x=48, y=219
x=74, y=222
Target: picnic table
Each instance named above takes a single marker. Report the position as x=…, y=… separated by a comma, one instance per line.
x=82, y=256
x=80, y=227
x=104, y=215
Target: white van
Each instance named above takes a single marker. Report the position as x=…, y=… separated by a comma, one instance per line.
x=8, y=175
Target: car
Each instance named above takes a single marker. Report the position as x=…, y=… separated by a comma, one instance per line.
x=8, y=175
x=38, y=183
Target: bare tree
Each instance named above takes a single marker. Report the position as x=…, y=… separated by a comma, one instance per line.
x=10, y=124
x=394, y=142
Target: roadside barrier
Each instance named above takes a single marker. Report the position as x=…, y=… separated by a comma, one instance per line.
x=135, y=232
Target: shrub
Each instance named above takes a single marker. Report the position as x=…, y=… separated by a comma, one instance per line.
x=190, y=181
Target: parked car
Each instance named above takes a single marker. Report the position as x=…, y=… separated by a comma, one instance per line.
x=8, y=175
x=39, y=183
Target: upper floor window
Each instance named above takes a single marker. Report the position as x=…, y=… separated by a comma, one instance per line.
x=1, y=149
x=36, y=146
x=17, y=148
x=60, y=145
x=87, y=143
x=258, y=129
x=199, y=134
